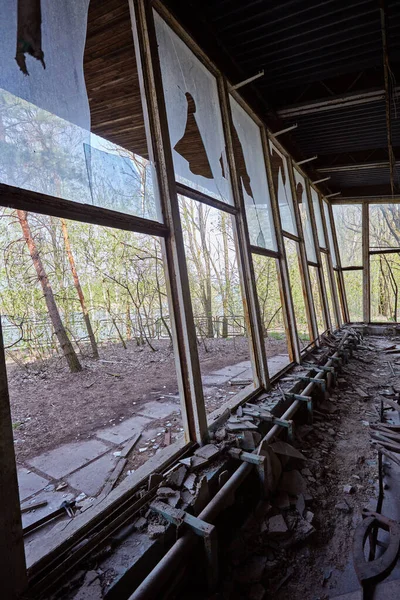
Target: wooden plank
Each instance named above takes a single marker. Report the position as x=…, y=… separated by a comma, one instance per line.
x=18, y=198
x=113, y=477
x=130, y=444
x=12, y=563
x=366, y=266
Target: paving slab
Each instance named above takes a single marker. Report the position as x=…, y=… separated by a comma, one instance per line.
x=29, y=483
x=126, y=429
x=276, y=363
x=90, y=479
x=158, y=410
x=215, y=379
x=231, y=371
x=67, y=458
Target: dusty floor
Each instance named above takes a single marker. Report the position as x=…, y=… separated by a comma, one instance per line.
x=51, y=406
x=318, y=564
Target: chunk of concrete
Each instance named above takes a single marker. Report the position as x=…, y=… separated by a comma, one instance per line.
x=293, y=483
x=252, y=570
x=277, y=526
x=285, y=449
x=209, y=451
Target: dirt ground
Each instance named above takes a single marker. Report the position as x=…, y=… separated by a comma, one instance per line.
x=51, y=406
x=339, y=454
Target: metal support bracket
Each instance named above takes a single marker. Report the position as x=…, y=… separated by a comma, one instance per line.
x=323, y=369
x=270, y=418
x=204, y=530
x=306, y=399
x=254, y=459
x=320, y=382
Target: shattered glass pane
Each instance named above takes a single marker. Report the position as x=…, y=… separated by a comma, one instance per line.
x=250, y=165
x=281, y=182
x=45, y=140
x=330, y=233
x=304, y=208
x=194, y=117
x=318, y=218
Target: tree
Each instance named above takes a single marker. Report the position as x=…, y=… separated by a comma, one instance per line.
x=79, y=290
x=59, y=329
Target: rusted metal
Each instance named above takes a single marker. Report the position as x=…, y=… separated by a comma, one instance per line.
x=372, y=571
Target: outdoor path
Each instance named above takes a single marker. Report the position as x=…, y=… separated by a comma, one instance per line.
x=81, y=468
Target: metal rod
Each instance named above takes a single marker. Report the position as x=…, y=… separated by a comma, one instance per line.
x=152, y=585
x=249, y=80
x=332, y=195
x=386, y=69
x=321, y=180
x=276, y=133
x=306, y=160
x=356, y=167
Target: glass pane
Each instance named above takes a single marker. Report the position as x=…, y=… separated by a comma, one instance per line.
x=384, y=225
x=353, y=283
x=318, y=218
x=281, y=181
x=348, y=225
x=328, y=288
x=217, y=302
x=302, y=201
x=385, y=281
x=316, y=294
x=49, y=125
x=78, y=290
x=194, y=117
x=272, y=312
x=251, y=168
x=330, y=233
x=296, y=286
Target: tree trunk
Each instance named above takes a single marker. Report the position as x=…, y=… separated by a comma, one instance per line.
x=79, y=290
x=227, y=290
x=207, y=288
x=66, y=346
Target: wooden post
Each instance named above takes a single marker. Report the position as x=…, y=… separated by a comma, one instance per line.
x=245, y=263
x=366, y=269
x=341, y=290
x=331, y=275
x=186, y=355
x=13, y=575
x=286, y=295
x=309, y=302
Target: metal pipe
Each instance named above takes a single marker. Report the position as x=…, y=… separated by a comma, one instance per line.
x=306, y=160
x=331, y=195
x=358, y=167
x=249, y=80
x=276, y=133
x=321, y=180
x=162, y=572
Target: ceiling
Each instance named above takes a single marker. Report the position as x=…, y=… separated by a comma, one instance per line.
x=323, y=65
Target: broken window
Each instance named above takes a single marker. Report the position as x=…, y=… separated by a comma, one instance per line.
x=92, y=300
x=348, y=226
x=297, y=290
x=353, y=283
x=318, y=218
x=250, y=165
x=304, y=208
x=60, y=140
x=272, y=312
x=384, y=226
x=330, y=233
x=281, y=181
x=216, y=294
x=194, y=117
